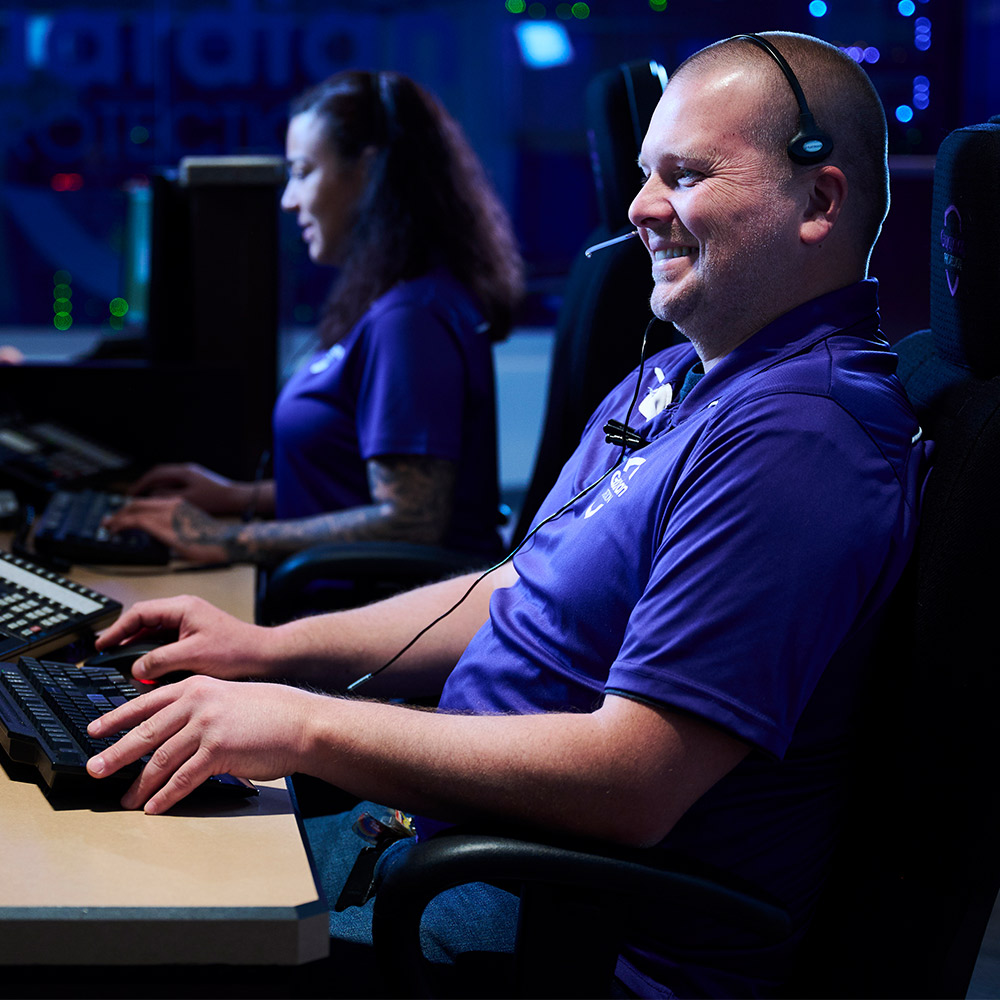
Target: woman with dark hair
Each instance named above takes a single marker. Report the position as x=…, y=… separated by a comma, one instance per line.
x=388, y=431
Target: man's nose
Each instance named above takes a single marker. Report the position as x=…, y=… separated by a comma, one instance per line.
x=650, y=206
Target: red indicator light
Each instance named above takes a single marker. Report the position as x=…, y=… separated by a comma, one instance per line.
x=67, y=182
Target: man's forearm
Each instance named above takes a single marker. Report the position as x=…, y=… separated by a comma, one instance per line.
x=333, y=650
x=625, y=773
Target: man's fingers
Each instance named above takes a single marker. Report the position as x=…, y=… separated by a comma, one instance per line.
x=149, y=720
x=164, y=660
x=193, y=772
x=174, y=768
x=142, y=618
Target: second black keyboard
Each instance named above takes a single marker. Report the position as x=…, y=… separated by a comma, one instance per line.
x=45, y=708
x=72, y=528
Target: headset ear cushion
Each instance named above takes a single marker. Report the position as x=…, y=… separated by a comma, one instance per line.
x=810, y=146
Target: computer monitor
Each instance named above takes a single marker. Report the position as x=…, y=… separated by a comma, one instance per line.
x=198, y=379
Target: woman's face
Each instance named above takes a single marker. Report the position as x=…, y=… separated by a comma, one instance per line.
x=322, y=189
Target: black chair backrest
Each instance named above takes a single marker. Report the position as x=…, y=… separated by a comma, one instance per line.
x=606, y=299
x=619, y=103
x=919, y=868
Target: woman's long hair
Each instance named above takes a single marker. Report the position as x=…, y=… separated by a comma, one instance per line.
x=427, y=201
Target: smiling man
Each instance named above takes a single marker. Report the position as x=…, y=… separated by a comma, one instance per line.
x=675, y=657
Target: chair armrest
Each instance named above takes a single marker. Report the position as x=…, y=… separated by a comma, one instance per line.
x=372, y=568
x=573, y=896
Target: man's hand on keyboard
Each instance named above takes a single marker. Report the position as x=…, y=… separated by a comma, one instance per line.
x=209, y=641
x=203, y=726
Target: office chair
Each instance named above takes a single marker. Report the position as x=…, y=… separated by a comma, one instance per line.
x=920, y=869
x=365, y=572
x=598, y=337
x=578, y=900
x=917, y=869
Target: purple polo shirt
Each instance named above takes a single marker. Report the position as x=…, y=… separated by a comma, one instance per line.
x=726, y=569
x=414, y=376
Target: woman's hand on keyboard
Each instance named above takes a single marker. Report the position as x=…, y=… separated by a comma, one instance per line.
x=203, y=726
x=190, y=533
x=209, y=641
x=207, y=490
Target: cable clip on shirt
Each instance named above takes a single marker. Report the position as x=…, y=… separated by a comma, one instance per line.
x=657, y=399
x=615, y=432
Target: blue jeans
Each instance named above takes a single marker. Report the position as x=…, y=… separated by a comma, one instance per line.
x=475, y=918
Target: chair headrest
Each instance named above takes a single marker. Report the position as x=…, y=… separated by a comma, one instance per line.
x=965, y=249
x=619, y=104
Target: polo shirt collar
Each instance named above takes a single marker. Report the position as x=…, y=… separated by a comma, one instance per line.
x=837, y=312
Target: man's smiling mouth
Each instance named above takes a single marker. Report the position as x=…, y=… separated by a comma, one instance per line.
x=673, y=252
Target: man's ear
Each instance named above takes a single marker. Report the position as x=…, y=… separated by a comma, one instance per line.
x=826, y=193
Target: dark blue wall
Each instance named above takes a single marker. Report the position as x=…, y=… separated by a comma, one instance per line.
x=96, y=95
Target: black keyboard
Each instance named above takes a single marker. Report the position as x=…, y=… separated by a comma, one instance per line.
x=41, y=610
x=71, y=528
x=44, y=711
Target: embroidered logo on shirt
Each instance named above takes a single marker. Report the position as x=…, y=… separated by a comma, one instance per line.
x=333, y=355
x=657, y=399
x=618, y=485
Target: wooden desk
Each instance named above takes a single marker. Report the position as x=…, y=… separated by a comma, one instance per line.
x=92, y=884
x=231, y=588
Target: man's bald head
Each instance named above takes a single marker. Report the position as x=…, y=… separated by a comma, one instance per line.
x=842, y=100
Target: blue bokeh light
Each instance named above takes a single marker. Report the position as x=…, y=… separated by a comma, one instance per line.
x=922, y=33
x=904, y=113
x=906, y=7
x=543, y=44
x=817, y=8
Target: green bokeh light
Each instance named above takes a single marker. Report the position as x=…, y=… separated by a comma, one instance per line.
x=62, y=306
x=62, y=278
x=62, y=321
x=516, y=6
x=118, y=307
x=62, y=291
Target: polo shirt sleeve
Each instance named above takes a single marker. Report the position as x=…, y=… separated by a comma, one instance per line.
x=767, y=551
x=412, y=390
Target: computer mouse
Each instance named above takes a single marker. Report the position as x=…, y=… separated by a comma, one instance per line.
x=122, y=658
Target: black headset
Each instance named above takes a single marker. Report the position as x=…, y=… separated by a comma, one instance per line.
x=810, y=144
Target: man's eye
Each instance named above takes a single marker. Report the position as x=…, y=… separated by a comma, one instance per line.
x=685, y=177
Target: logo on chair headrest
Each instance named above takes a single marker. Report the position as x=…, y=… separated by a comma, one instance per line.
x=953, y=246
